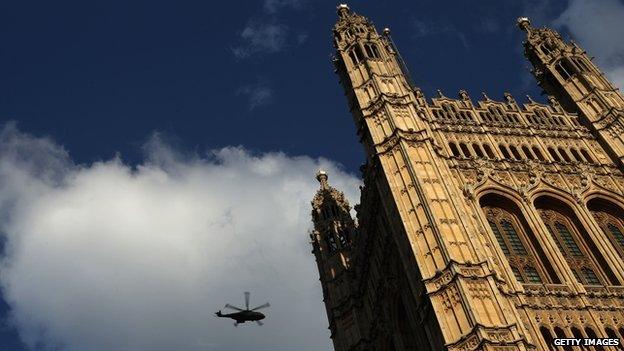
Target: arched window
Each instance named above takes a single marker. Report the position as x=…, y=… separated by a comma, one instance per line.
x=561, y=335
x=488, y=151
x=585, y=154
x=581, y=63
x=477, y=150
x=546, y=48
x=515, y=152
x=375, y=51
x=356, y=55
x=577, y=157
x=454, y=150
x=592, y=335
x=611, y=333
x=527, y=152
x=368, y=50
x=586, y=261
x=565, y=69
x=451, y=111
x=516, y=240
x=576, y=332
x=564, y=154
x=371, y=50
x=553, y=154
x=547, y=337
x=503, y=149
x=538, y=153
x=609, y=217
x=464, y=150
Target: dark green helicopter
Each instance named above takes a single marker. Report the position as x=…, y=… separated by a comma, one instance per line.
x=244, y=315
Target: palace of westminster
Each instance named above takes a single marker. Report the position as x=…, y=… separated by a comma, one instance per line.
x=489, y=225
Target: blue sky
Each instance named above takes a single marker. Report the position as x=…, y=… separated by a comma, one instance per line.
x=118, y=87
x=99, y=78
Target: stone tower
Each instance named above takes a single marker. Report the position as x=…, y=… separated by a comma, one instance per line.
x=489, y=225
x=331, y=242
x=565, y=71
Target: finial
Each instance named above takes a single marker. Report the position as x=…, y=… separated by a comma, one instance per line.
x=509, y=98
x=487, y=98
x=524, y=23
x=342, y=8
x=530, y=99
x=386, y=31
x=321, y=176
x=440, y=95
x=554, y=102
x=464, y=95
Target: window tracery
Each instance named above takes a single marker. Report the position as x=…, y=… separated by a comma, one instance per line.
x=516, y=241
x=565, y=69
x=610, y=219
x=583, y=258
x=356, y=55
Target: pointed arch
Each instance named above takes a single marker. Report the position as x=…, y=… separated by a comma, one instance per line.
x=488, y=151
x=454, y=149
x=504, y=151
x=527, y=152
x=477, y=149
x=581, y=253
x=610, y=218
x=538, y=153
x=548, y=338
x=575, y=154
x=465, y=150
x=516, y=240
x=562, y=335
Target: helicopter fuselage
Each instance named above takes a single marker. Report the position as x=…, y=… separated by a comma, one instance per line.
x=243, y=316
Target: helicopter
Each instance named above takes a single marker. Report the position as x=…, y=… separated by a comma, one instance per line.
x=244, y=315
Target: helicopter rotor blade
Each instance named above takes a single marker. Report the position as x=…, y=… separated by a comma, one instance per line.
x=234, y=307
x=261, y=306
x=259, y=323
x=247, y=300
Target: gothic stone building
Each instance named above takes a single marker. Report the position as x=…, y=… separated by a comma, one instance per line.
x=489, y=225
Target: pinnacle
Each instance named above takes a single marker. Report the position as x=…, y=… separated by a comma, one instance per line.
x=321, y=176
x=524, y=23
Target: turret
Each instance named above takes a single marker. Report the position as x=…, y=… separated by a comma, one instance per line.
x=565, y=71
x=332, y=240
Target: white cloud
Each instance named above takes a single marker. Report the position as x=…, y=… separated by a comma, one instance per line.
x=258, y=93
x=261, y=37
x=112, y=257
x=427, y=28
x=598, y=26
x=273, y=6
